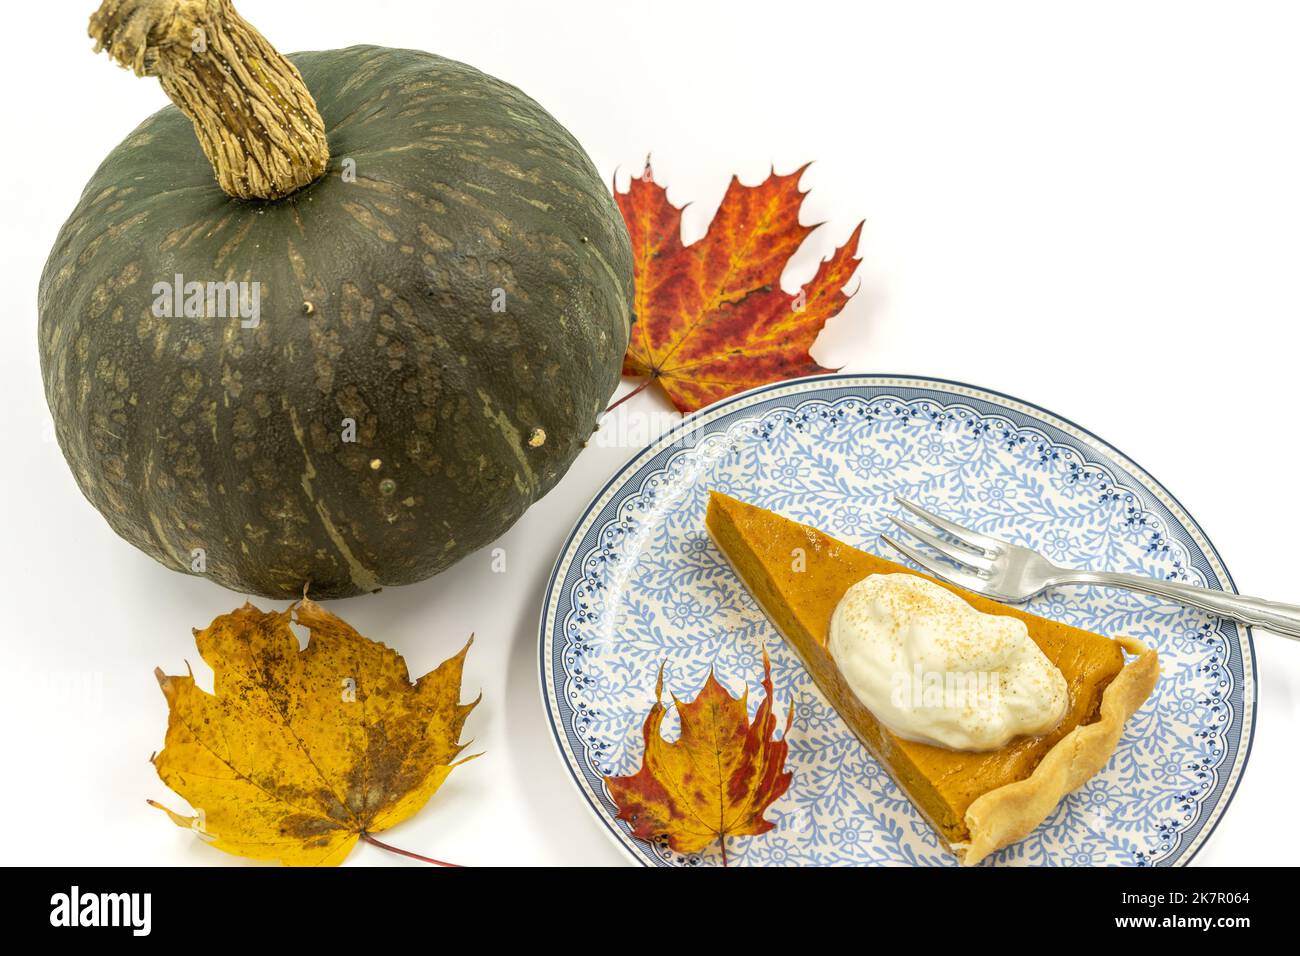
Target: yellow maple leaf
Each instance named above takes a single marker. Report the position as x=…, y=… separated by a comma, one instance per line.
x=299, y=753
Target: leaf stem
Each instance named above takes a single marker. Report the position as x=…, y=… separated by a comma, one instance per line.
x=636, y=391
x=722, y=842
x=400, y=852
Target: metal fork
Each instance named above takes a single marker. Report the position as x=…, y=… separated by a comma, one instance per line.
x=1007, y=572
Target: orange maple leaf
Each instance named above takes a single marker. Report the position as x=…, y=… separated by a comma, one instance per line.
x=716, y=780
x=712, y=319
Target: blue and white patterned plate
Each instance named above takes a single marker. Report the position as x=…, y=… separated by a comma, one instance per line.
x=639, y=583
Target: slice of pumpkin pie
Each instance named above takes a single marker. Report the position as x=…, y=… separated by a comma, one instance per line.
x=985, y=716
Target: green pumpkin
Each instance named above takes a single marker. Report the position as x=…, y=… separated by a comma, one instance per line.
x=427, y=334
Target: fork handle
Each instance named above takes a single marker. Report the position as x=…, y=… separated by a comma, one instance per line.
x=1279, y=618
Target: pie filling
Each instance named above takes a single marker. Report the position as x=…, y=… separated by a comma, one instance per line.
x=799, y=575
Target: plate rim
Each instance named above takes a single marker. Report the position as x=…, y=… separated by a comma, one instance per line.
x=689, y=422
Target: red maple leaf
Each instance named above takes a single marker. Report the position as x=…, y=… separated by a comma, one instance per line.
x=716, y=780
x=712, y=319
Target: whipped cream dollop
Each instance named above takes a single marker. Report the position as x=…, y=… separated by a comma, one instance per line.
x=933, y=669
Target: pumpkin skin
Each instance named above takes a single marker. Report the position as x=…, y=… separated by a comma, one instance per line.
x=376, y=300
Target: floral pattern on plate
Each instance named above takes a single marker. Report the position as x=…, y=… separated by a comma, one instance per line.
x=640, y=583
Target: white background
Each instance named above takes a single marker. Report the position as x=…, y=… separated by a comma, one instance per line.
x=1092, y=206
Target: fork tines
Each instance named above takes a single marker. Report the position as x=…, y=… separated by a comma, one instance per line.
x=972, y=552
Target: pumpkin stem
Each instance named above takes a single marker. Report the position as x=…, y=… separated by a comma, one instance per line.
x=255, y=119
